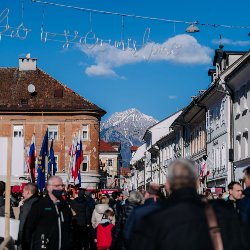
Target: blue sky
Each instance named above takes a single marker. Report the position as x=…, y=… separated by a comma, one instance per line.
x=157, y=85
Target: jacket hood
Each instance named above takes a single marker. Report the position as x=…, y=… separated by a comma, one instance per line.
x=101, y=208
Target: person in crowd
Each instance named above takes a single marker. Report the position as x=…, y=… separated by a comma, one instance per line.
x=152, y=203
x=208, y=195
x=80, y=221
x=99, y=211
x=116, y=203
x=244, y=204
x=134, y=200
x=183, y=222
x=49, y=221
x=235, y=195
x=105, y=231
x=2, y=201
x=30, y=196
x=90, y=200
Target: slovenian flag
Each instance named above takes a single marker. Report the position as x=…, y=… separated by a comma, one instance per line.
x=78, y=159
x=32, y=159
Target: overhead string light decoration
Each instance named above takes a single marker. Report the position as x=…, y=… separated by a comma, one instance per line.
x=90, y=40
x=20, y=32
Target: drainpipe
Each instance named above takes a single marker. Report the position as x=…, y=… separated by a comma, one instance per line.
x=230, y=93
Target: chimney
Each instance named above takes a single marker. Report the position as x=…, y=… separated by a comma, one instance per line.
x=27, y=63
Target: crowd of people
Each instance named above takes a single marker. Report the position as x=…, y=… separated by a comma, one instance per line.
x=180, y=219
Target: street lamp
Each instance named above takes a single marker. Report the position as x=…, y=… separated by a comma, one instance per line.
x=192, y=29
x=103, y=175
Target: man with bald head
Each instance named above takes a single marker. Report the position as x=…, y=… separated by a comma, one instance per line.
x=182, y=222
x=49, y=221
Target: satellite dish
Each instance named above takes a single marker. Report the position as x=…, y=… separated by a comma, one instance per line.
x=31, y=88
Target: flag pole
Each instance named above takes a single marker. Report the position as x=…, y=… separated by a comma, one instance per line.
x=7, y=191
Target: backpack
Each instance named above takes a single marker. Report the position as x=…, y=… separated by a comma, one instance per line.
x=104, y=236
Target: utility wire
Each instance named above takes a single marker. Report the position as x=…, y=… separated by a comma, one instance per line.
x=141, y=17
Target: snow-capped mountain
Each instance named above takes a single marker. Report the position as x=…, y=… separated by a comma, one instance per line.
x=127, y=127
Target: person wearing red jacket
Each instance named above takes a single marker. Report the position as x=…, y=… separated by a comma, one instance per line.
x=105, y=231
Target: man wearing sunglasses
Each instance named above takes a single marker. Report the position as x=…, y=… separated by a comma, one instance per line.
x=49, y=221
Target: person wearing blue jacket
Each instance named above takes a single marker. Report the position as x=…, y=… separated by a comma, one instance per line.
x=151, y=204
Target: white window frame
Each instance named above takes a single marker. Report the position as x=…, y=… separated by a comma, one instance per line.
x=238, y=141
x=246, y=144
x=237, y=103
x=244, y=98
x=57, y=161
x=85, y=160
x=85, y=130
x=53, y=132
x=108, y=162
x=18, y=129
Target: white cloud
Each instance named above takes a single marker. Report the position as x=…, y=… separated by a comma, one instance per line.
x=227, y=41
x=172, y=97
x=100, y=70
x=183, y=49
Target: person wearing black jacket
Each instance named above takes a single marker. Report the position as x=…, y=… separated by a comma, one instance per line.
x=30, y=197
x=245, y=202
x=152, y=203
x=49, y=221
x=182, y=222
x=81, y=221
x=235, y=195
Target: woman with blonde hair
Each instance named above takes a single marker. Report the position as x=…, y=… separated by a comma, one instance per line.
x=99, y=211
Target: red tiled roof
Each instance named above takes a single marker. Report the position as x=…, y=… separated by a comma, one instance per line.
x=51, y=94
x=106, y=147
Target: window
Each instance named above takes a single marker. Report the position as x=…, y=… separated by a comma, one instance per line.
x=208, y=119
x=245, y=136
x=18, y=131
x=56, y=160
x=53, y=132
x=110, y=162
x=238, y=141
x=85, y=164
x=85, y=132
x=223, y=155
x=237, y=103
x=244, y=98
x=222, y=112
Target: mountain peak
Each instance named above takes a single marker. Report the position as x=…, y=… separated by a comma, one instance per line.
x=128, y=127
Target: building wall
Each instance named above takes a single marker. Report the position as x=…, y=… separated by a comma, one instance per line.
x=241, y=127
x=194, y=140
x=111, y=170
x=68, y=126
x=218, y=141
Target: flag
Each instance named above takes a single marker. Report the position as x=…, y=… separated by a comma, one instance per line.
x=71, y=154
x=41, y=163
x=52, y=161
x=78, y=159
x=32, y=159
x=204, y=169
